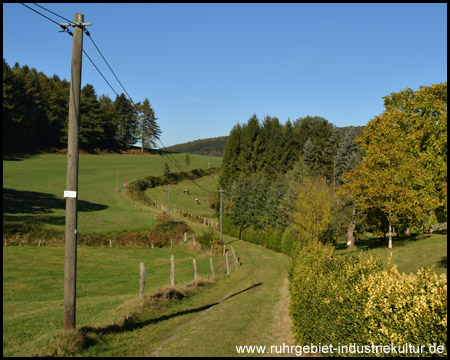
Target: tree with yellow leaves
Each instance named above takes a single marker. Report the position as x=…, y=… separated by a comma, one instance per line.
x=403, y=172
x=313, y=205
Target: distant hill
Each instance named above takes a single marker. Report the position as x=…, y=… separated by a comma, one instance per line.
x=210, y=146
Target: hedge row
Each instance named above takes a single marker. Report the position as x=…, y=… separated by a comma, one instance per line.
x=159, y=235
x=354, y=299
x=172, y=178
x=273, y=239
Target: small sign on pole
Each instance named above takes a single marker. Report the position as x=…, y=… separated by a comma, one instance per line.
x=70, y=194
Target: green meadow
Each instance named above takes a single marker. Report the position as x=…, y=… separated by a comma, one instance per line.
x=408, y=254
x=33, y=188
x=204, y=189
x=33, y=284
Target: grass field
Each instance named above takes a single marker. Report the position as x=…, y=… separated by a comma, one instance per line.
x=33, y=283
x=179, y=200
x=242, y=307
x=409, y=254
x=33, y=188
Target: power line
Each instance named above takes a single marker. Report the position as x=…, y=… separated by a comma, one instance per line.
x=44, y=16
x=65, y=28
x=174, y=162
x=85, y=53
x=168, y=155
x=90, y=37
x=180, y=168
x=53, y=13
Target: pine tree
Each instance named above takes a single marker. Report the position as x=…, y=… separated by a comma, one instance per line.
x=230, y=161
x=108, y=113
x=288, y=153
x=148, y=127
x=348, y=156
x=311, y=156
x=126, y=122
x=91, y=130
x=329, y=155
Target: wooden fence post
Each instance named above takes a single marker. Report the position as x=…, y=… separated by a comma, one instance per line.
x=142, y=281
x=171, y=242
x=226, y=260
x=110, y=243
x=172, y=271
x=212, y=266
x=185, y=237
x=193, y=238
x=195, y=270
x=236, y=262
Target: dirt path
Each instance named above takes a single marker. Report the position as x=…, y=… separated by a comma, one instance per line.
x=282, y=323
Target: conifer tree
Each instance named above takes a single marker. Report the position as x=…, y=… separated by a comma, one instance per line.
x=347, y=155
x=249, y=146
x=148, y=127
x=311, y=156
x=329, y=155
x=91, y=129
x=230, y=161
x=126, y=122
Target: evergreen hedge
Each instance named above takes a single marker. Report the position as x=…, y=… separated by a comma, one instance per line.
x=354, y=299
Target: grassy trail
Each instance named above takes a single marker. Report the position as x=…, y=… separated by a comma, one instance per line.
x=246, y=308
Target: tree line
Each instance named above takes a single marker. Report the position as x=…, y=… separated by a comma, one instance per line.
x=308, y=179
x=35, y=114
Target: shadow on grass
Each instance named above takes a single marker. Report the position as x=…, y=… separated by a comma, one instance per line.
x=13, y=221
x=131, y=324
x=443, y=262
x=37, y=204
x=374, y=243
x=17, y=157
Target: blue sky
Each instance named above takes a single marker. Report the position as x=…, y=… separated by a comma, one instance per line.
x=206, y=67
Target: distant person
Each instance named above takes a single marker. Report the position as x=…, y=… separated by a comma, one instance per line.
x=126, y=185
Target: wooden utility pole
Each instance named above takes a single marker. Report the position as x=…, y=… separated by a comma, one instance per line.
x=71, y=193
x=141, y=281
x=172, y=271
x=221, y=237
x=195, y=270
x=168, y=199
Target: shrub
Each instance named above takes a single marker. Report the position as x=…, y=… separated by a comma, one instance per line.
x=166, y=228
x=208, y=238
x=287, y=240
x=406, y=308
x=354, y=299
x=324, y=305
